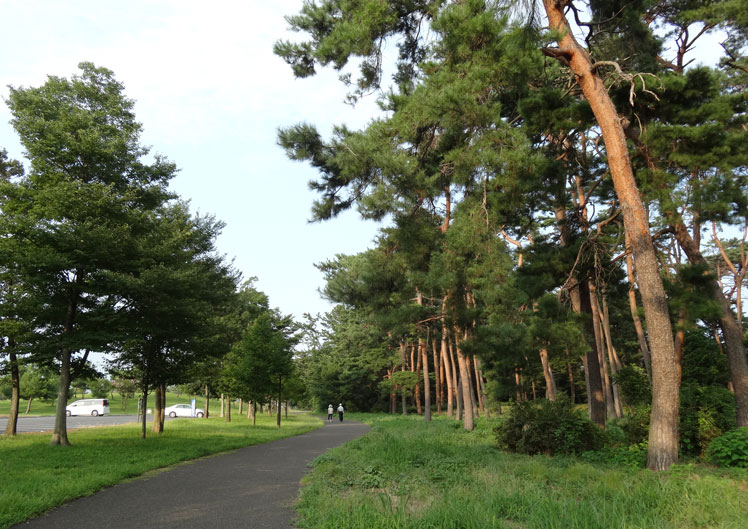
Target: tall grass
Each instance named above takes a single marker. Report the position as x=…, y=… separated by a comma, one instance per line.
x=411, y=474
x=37, y=477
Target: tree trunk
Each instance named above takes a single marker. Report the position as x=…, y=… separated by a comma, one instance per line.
x=437, y=375
x=241, y=407
x=595, y=395
x=280, y=396
x=228, y=408
x=143, y=419
x=11, y=426
x=415, y=359
x=663, y=437
x=207, y=401
x=157, y=426
x=223, y=408
x=550, y=384
x=254, y=412
x=405, y=361
x=60, y=432
x=481, y=387
x=615, y=362
x=610, y=405
x=446, y=360
x=467, y=400
x=640, y=336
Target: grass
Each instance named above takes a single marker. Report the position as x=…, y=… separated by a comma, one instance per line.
x=37, y=477
x=411, y=474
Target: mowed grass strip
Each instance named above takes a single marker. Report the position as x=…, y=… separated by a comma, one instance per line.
x=36, y=477
x=407, y=473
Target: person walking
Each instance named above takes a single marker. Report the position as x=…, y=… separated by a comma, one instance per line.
x=329, y=413
x=340, y=411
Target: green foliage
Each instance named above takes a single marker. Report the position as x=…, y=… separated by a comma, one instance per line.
x=629, y=456
x=706, y=412
x=730, y=449
x=634, y=385
x=548, y=427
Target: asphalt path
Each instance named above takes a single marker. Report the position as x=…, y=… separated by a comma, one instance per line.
x=252, y=488
x=47, y=423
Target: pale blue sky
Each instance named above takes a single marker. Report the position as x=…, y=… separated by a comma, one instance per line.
x=210, y=95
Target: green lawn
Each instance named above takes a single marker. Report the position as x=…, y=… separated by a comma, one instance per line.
x=411, y=474
x=37, y=477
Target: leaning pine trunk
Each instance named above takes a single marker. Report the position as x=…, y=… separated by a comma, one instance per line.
x=550, y=384
x=663, y=431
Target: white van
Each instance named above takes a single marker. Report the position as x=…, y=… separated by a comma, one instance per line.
x=88, y=407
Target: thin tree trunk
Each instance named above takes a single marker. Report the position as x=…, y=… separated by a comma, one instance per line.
x=456, y=384
x=415, y=359
x=223, y=406
x=437, y=375
x=446, y=360
x=482, y=388
x=228, y=408
x=550, y=384
x=11, y=426
x=663, y=432
x=518, y=384
x=615, y=362
x=405, y=361
x=207, y=401
x=610, y=405
x=254, y=412
x=28, y=405
x=640, y=336
x=241, y=407
x=467, y=399
x=595, y=395
x=280, y=397
x=572, y=389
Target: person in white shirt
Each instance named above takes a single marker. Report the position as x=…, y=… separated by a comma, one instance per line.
x=340, y=411
x=329, y=413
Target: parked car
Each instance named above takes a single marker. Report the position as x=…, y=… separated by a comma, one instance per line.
x=182, y=410
x=88, y=407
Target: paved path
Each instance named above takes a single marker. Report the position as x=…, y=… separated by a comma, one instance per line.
x=254, y=487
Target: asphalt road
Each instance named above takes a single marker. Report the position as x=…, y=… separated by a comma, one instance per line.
x=254, y=487
x=47, y=423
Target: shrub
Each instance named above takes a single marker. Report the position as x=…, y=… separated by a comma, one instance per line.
x=706, y=412
x=635, y=424
x=730, y=449
x=548, y=427
x=634, y=385
x=632, y=456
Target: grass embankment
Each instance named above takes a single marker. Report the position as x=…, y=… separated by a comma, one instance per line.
x=37, y=477
x=407, y=473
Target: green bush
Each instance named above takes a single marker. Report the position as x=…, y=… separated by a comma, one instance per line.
x=631, y=456
x=634, y=385
x=706, y=412
x=548, y=427
x=730, y=449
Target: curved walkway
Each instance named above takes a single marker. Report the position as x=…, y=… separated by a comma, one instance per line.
x=253, y=487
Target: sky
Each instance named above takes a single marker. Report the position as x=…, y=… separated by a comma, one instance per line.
x=211, y=96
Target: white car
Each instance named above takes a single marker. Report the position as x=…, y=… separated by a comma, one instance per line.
x=182, y=410
x=92, y=407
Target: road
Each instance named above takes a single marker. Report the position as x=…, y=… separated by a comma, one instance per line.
x=47, y=423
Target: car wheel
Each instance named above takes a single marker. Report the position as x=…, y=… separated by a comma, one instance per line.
x=94, y=413
x=68, y=413
x=199, y=415
x=172, y=414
